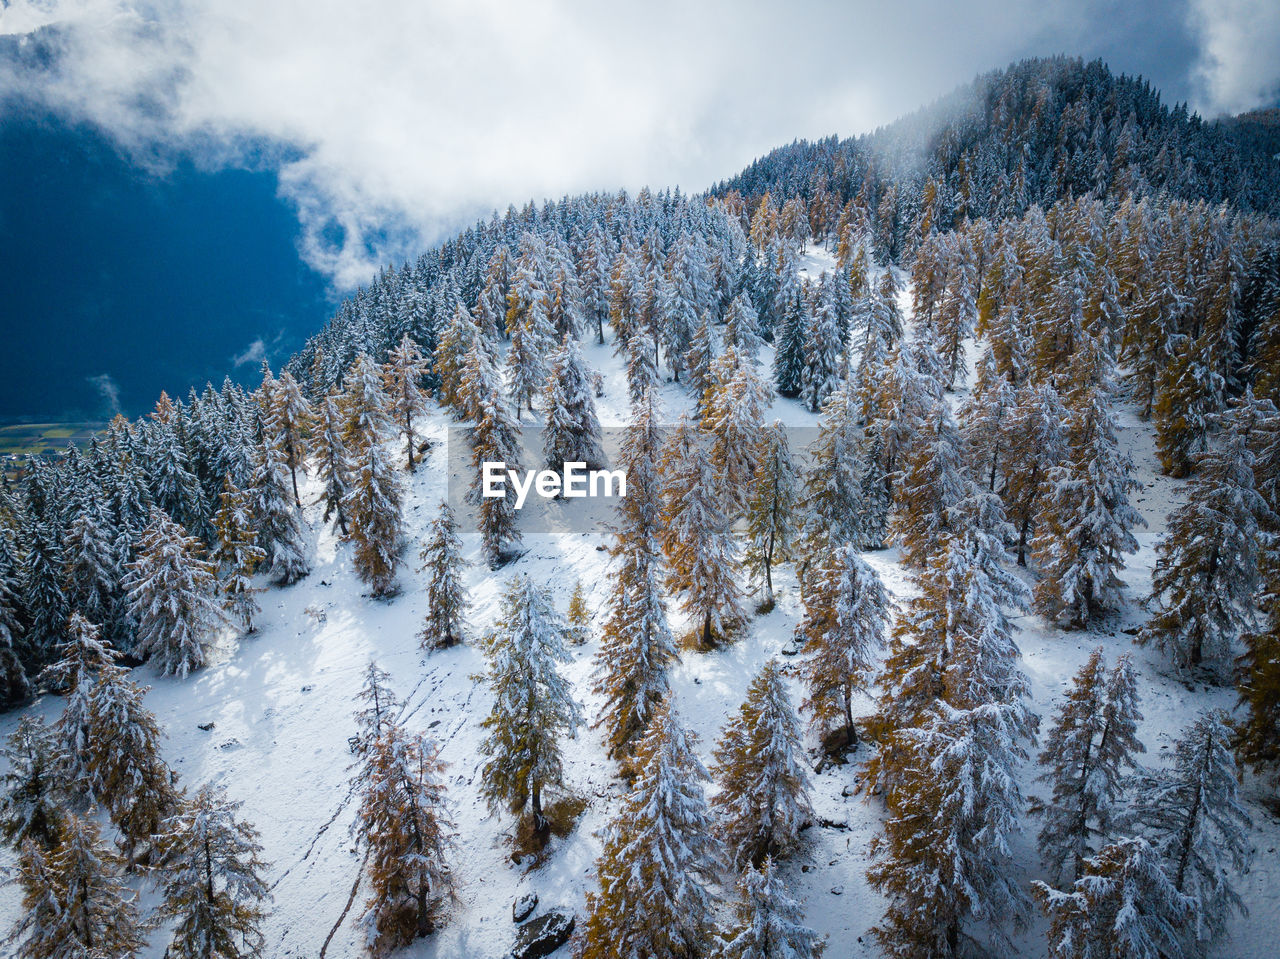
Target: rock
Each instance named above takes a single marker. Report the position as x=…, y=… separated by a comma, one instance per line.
x=791, y=649
x=544, y=935
x=523, y=907
x=837, y=890
x=206, y=726
x=307, y=688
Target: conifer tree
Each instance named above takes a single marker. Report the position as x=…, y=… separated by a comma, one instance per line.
x=84, y=657
x=572, y=430
x=15, y=686
x=457, y=340
x=823, y=357
x=533, y=705
x=771, y=504
x=532, y=338
x=133, y=782
x=1192, y=816
x=642, y=366
x=578, y=616
x=493, y=440
x=377, y=525
x=846, y=613
x=279, y=523
x=92, y=566
x=733, y=417
x=698, y=540
x=335, y=467
x=377, y=710
x=447, y=598
x=658, y=857
x=213, y=887
x=1207, y=571
x=636, y=645
x=767, y=923
x=932, y=483
x=403, y=373
x=403, y=824
x=172, y=597
x=364, y=405
x=289, y=420
x=1037, y=443
x=788, y=357
x=763, y=801
x=704, y=349
x=237, y=555
x=74, y=902
x=31, y=805
x=742, y=328
x=1088, y=752
x=1122, y=906
x=1258, y=687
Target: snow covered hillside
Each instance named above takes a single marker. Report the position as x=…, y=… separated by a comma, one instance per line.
x=271, y=715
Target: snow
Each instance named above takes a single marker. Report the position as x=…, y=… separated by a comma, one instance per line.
x=282, y=702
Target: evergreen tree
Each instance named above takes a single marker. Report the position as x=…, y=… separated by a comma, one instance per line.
x=742, y=328
x=85, y=657
x=788, y=357
x=642, y=366
x=733, y=418
x=279, y=523
x=288, y=422
x=1122, y=906
x=92, y=566
x=1258, y=687
x=237, y=554
x=493, y=440
x=1036, y=444
x=846, y=612
x=767, y=923
x=447, y=598
x=364, y=405
x=533, y=705
x=403, y=823
x=335, y=467
x=31, y=805
x=1193, y=818
x=658, y=856
x=572, y=430
x=213, y=887
x=532, y=338
x=404, y=372
x=1092, y=744
x=578, y=616
x=771, y=505
x=377, y=525
x=15, y=686
x=74, y=902
x=378, y=708
x=172, y=597
x=763, y=801
x=823, y=357
x=931, y=484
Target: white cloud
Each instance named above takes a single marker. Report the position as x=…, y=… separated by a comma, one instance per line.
x=254, y=353
x=108, y=389
x=408, y=119
x=1239, y=64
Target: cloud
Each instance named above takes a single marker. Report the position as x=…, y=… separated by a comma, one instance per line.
x=254, y=353
x=108, y=390
x=1238, y=68
x=399, y=122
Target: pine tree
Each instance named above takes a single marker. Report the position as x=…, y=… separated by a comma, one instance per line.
x=74, y=902
x=642, y=366
x=171, y=591
x=846, y=612
x=85, y=657
x=572, y=430
x=1123, y=906
x=733, y=418
x=379, y=707
x=742, y=328
x=133, y=782
x=636, y=645
x=289, y=421
x=931, y=484
x=698, y=540
x=1207, y=572
x=578, y=617
x=31, y=806
x=377, y=524
x=1037, y=443
x=404, y=372
x=1258, y=688
x=823, y=357
x=237, y=555
x=279, y=523
x=763, y=801
x=15, y=686
x=335, y=467
x=213, y=887
x=658, y=856
x=533, y=705
x=403, y=824
x=364, y=405
x=493, y=440
x=447, y=598
x=532, y=338
x=767, y=923
x=1090, y=748
x=788, y=357
x=771, y=504
x=92, y=566
x=1193, y=818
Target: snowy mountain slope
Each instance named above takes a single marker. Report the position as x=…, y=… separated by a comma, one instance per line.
x=281, y=703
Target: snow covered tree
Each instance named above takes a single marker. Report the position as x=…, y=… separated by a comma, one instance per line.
x=1086, y=757
x=133, y=782
x=334, y=468
x=1207, y=571
x=733, y=418
x=44, y=597
x=493, y=440
x=447, y=598
x=377, y=525
x=403, y=374
x=698, y=539
x=642, y=366
x=1122, y=906
x=578, y=616
x=84, y=657
x=364, y=405
x=934, y=480
x=403, y=824
x=1086, y=520
x=1258, y=689
x=659, y=856
x=1037, y=443
x=846, y=612
x=532, y=339
x=378, y=707
x=823, y=357
x=767, y=923
x=788, y=357
x=288, y=422
x=279, y=523
x=1192, y=816
x=742, y=328
x=171, y=591
x=701, y=356
x=771, y=504
x=533, y=705
x=572, y=430
x=636, y=645
x=74, y=903
x=31, y=805
x=237, y=554
x=15, y=685
x=92, y=566
x=763, y=800
x=212, y=882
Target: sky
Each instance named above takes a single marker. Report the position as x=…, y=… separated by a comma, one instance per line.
x=398, y=122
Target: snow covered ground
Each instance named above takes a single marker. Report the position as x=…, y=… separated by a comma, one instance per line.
x=281, y=704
